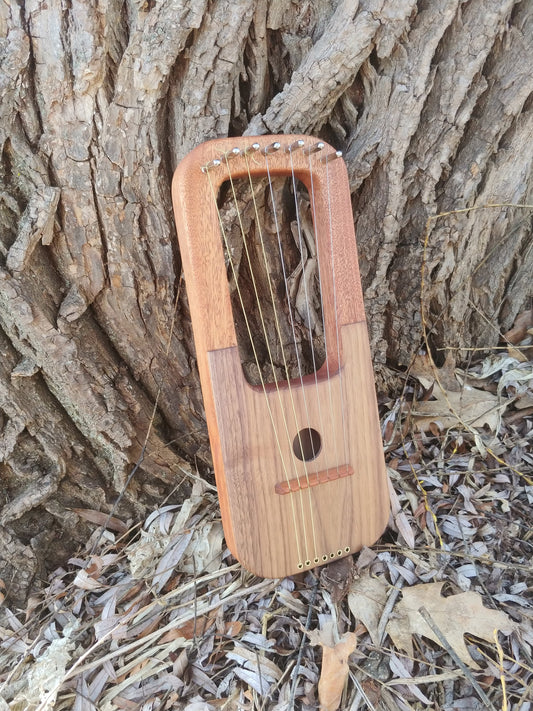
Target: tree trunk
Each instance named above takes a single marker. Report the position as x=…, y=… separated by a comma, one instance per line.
x=430, y=103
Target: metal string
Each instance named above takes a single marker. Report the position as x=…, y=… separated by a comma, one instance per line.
x=265, y=332
x=306, y=292
x=278, y=329
x=292, y=325
x=285, y=280
x=267, y=343
x=234, y=273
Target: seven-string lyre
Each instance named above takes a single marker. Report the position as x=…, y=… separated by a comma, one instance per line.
x=297, y=453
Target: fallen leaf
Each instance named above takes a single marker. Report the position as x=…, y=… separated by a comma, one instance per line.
x=399, y=519
x=45, y=677
x=523, y=322
x=334, y=664
x=233, y=629
x=336, y=577
x=366, y=600
x=256, y=670
x=372, y=691
x=98, y=563
x=512, y=375
x=84, y=581
x=204, y=552
x=518, y=354
x=170, y=558
x=470, y=406
x=190, y=629
x=518, y=380
x=454, y=616
x=102, y=519
x=453, y=404
x=426, y=372
x=524, y=402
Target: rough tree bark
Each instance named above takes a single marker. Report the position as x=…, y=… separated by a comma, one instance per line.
x=431, y=104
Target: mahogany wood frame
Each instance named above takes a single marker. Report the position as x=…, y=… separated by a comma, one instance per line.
x=340, y=498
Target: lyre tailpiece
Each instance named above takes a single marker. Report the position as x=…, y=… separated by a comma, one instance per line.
x=299, y=461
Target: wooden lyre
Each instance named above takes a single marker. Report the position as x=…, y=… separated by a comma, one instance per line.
x=298, y=462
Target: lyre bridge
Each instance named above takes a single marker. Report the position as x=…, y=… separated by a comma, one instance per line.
x=307, y=480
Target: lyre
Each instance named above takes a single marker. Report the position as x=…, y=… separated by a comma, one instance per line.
x=299, y=463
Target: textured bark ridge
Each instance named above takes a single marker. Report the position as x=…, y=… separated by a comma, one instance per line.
x=431, y=104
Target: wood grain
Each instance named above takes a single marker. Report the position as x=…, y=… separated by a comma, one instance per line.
x=252, y=429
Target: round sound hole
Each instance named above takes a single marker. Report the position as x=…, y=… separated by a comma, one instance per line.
x=307, y=444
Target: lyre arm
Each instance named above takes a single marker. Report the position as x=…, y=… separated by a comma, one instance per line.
x=195, y=191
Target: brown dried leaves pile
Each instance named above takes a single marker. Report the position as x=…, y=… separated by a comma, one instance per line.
x=162, y=617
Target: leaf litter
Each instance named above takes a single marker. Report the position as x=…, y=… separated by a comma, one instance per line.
x=160, y=616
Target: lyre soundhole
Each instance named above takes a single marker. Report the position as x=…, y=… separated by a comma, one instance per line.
x=270, y=252
x=307, y=444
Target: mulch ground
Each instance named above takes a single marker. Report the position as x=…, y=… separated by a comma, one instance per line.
x=437, y=614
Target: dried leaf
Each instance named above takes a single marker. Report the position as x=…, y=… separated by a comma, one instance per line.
x=366, y=600
x=102, y=519
x=204, y=552
x=190, y=629
x=170, y=538
x=519, y=378
x=257, y=670
x=233, y=629
x=114, y=627
x=43, y=681
x=399, y=519
x=471, y=407
x=170, y=559
x=98, y=563
x=84, y=581
x=144, y=553
x=454, y=616
x=334, y=671
x=513, y=375
x=518, y=354
x=426, y=372
x=336, y=577
x=523, y=322
x=453, y=405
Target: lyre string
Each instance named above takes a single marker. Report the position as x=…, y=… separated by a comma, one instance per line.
x=265, y=333
x=307, y=301
x=278, y=330
x=263, y=385
x=302, y=527
x=284, y=272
